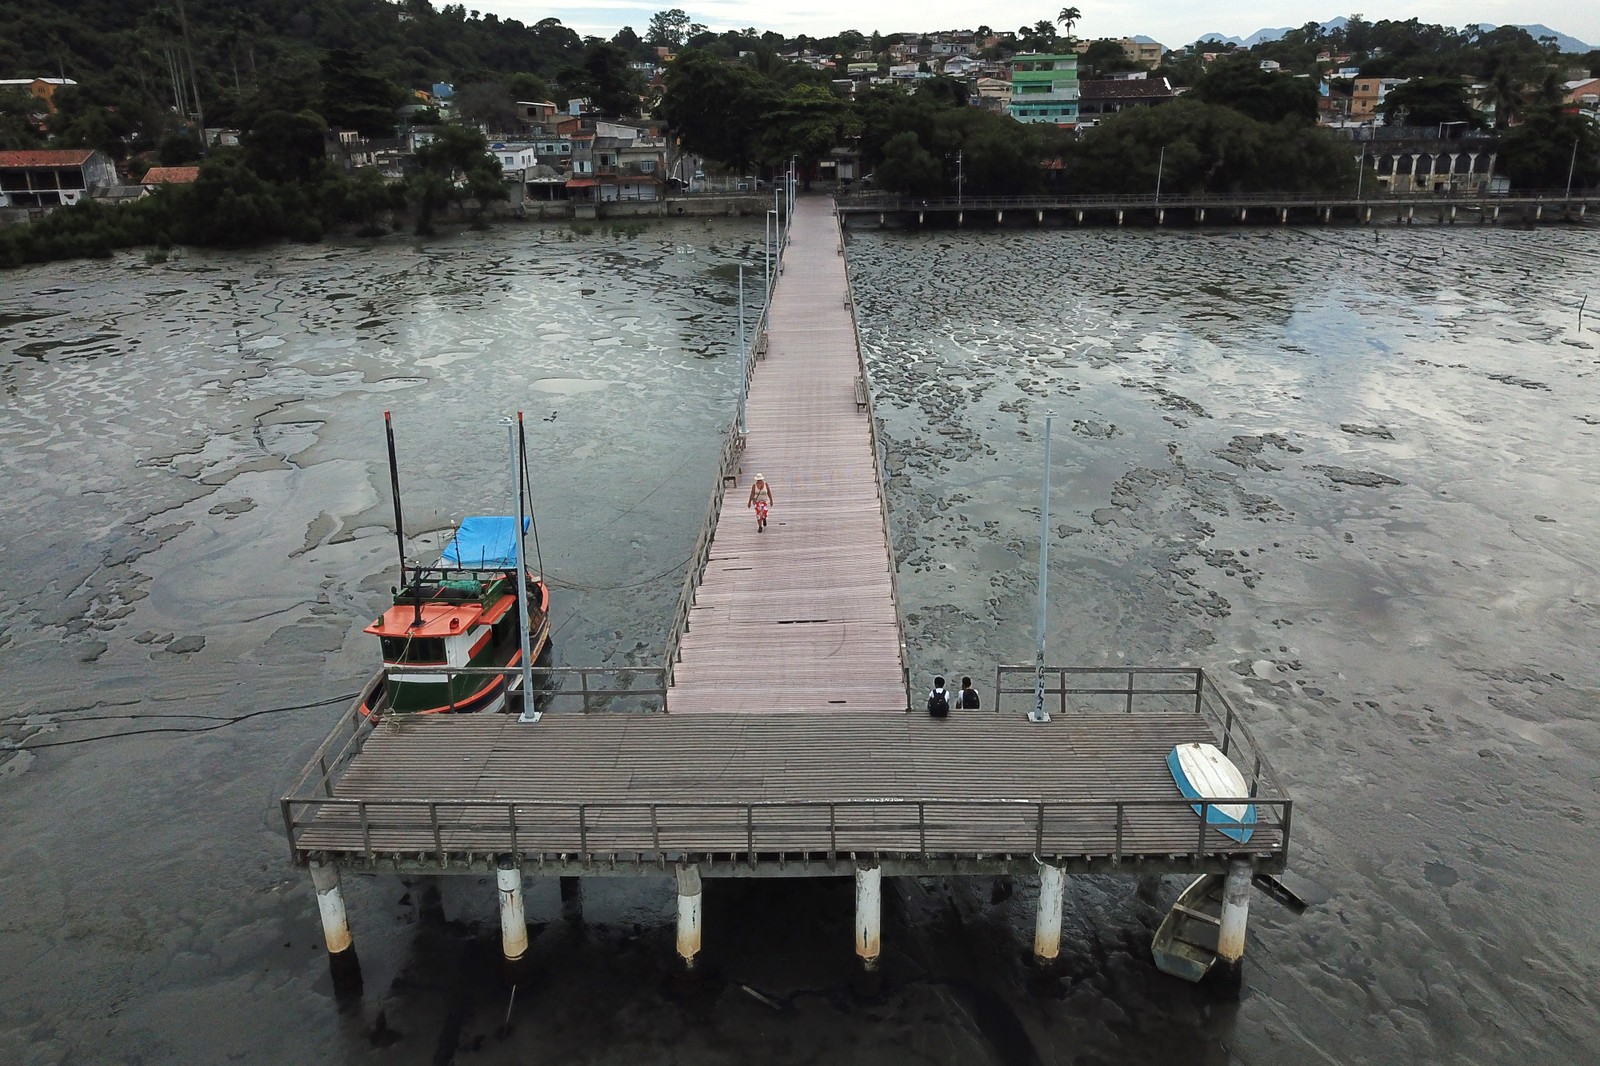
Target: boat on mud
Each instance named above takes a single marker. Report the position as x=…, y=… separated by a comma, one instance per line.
x=462, y=634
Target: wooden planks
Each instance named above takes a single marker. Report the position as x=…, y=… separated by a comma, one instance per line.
x=800, y=616
x=969, y=784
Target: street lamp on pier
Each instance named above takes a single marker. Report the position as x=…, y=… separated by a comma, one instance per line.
x=1161, y=163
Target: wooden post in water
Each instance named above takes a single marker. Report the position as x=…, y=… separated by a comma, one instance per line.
x=688, y=913
x=342, y=961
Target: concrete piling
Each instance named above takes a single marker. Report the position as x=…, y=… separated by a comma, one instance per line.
x=342, y=961
x=869, y=913
x=513, y=918
x=1235, y=914
x=1047, y=924
x=688, y=913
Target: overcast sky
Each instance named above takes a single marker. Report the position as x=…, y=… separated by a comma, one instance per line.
x=1171, y=24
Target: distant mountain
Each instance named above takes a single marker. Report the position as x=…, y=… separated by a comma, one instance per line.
x=1535, y=30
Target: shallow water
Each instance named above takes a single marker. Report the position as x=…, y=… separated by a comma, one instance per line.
x=1352, y=473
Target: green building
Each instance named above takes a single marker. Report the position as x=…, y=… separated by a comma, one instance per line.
x=1044, y=88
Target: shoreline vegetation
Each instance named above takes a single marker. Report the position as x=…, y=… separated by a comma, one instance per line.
x=292, y=80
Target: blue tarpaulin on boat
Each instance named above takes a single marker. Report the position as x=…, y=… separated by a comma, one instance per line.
x=485, y=542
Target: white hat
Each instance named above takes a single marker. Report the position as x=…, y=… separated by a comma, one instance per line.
x=760, y=478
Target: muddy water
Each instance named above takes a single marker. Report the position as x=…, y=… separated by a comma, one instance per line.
x=1352, y=475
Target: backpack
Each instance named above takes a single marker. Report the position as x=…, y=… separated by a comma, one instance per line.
x=938, y=704
x=969, y=700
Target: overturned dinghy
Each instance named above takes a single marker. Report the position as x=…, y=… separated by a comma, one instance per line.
x=1186, y=941
x=1203, y=772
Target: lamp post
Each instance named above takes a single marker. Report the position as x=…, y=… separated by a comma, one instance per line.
x=1572, y=166
x=1161, y=163
x=1361, y=170
x=743, y=357
x=1039, y=714
x=958, y=178
x=772, y=224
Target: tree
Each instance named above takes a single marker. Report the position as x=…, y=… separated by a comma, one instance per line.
x=356, y=97
x=908, y=168
x=1069, y=18
x=282, y=148
x=1262, y=95
x=1196, y=147
x=670, y=28
x=456, y=165
x=1547, y=146
x=605, y=78
x=488, y=104
x=1431, y=102
x=717, y=109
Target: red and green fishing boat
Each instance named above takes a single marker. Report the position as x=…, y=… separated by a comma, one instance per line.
x=462, y=614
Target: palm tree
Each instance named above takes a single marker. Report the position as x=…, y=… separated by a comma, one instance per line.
x=1503, y=91
x=1069, y=18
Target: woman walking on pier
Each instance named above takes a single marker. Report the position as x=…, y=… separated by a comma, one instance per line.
x=761, y=500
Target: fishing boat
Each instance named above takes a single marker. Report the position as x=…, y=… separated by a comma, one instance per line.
x=1203, y=772
x=467, y=611
x=1185, y=944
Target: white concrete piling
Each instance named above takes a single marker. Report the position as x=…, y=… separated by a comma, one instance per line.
x=1235, y=913
x=688, y=913
x=342, y=962
x=869, y=914
x=1047, y=924
x=513, y=919
x=330, y=902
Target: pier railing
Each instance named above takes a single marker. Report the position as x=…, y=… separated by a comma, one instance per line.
x=880, y=460
x=446, y=832
x=897, y=202
x=1072, y=690
x=728, y=468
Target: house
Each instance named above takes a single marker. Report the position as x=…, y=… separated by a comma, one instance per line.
x=42, y=88
x=1583, y=94
x=158, y=176
x=1044, y=88
x=1102, y=97
x=536, y=112
x=994, y=94
x=54, y=176
x=515, y=157
x=960, y=66
x=1367, y=96
x=1145, y=51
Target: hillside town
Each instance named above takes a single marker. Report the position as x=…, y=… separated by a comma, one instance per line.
x=622, y=138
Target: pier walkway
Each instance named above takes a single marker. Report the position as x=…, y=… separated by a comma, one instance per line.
x=779, y=738
x=800, y=617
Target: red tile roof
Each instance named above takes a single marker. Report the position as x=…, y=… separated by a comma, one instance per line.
x=47, y=157
x=171, y=175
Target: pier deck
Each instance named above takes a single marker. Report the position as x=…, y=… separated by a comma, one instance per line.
x=784, y=746
x=800, y=617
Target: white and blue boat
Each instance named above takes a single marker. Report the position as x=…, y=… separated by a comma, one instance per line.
x=1203, y=772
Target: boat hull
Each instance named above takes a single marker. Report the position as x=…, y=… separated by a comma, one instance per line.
x=1203, y=772
x=487, y=697
x=1185, y=943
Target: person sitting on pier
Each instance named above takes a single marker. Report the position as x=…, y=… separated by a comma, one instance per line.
x=967, y=698
x=938, y=700
x=761, y=500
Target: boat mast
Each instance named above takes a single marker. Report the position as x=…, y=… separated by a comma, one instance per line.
x=514, y=430
x=399, y=523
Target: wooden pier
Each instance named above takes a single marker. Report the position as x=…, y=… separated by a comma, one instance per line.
x=779, y=738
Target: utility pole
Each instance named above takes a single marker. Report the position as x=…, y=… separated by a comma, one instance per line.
x=1572, y=166
x=1161, y=164
x=958, y=178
